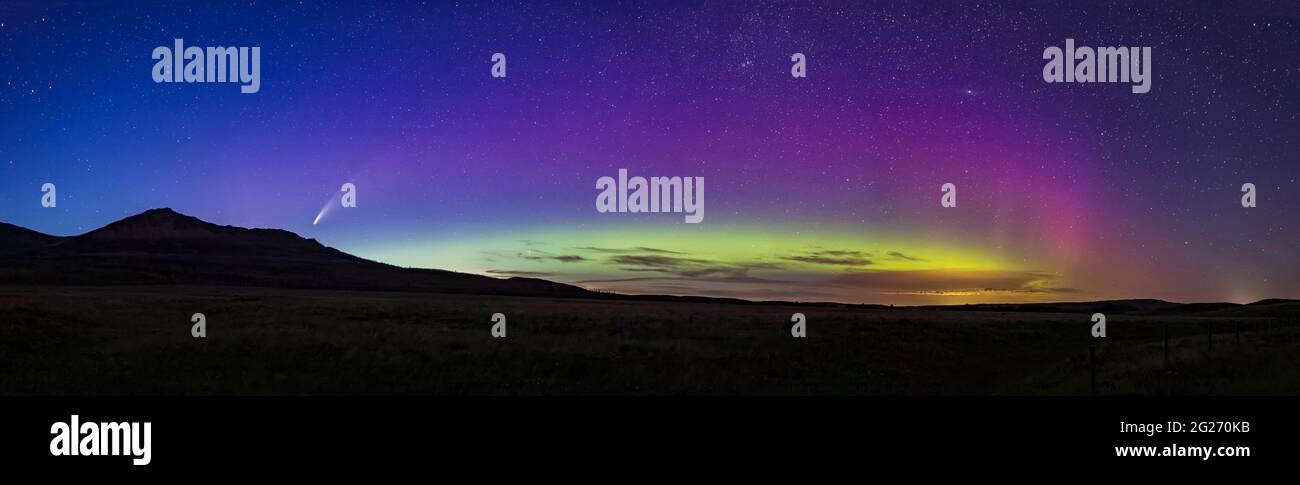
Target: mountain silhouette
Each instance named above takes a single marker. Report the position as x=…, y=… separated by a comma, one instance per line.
x=164, y=247
x=15, y=239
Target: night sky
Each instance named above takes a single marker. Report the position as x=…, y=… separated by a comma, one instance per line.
x=822, y=188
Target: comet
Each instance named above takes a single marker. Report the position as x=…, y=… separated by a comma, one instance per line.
x=329, y=206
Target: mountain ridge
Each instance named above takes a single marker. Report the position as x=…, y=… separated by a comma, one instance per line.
x=163, y=246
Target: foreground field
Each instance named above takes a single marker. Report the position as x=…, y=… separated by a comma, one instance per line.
x=136, y=341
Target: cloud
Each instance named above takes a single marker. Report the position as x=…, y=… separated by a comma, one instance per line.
x=727, y=278
x=842, y=252
x=944, y=281
x=900, y=255
x=655, y=261
x=524, y=274
x=710, y=271
x=621, y=280
x=814, y=259
x=760, y=265
x=638, y=249
x=1045, y=289
x=640, y=269
x=693, y=269
x=538, y=255
x=984, y=291
x=836, y=257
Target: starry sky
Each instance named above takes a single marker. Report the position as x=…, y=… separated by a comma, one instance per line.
x=823, y=188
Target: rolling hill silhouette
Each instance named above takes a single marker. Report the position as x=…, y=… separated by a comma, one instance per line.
x=162, y=246
x=15, y=239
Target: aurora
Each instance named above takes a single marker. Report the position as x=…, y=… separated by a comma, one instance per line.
x=822, y=187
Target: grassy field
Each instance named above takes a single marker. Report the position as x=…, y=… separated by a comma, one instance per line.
x=136, y=341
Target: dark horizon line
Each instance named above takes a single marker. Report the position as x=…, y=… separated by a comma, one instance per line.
x=699, y=298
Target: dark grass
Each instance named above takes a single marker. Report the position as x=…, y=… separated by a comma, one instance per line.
x=136, y=341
